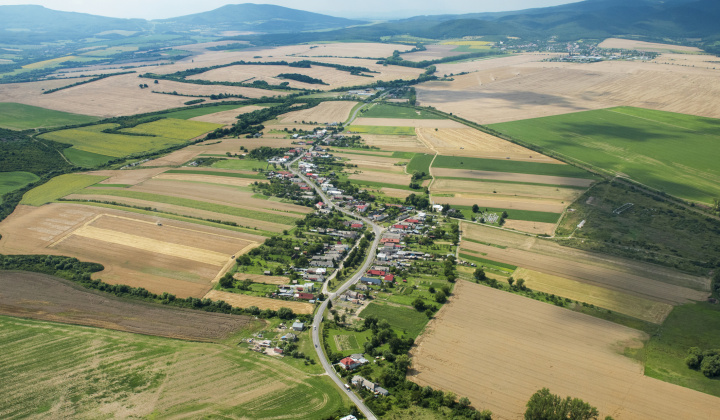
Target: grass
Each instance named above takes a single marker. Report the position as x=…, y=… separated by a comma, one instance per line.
x=88, y=372
x=387, y=131
x=11, y=181
x=374, y=184
x=403, y=155
x=173, y=128
x=186, y=114
x=23, y=117
x=479, y=260
x=496, y=165
x=241, y=164
x=671, y=152
x=350, y=337
x=256, y=214
x=502, y=181
x=392, y=111
x=85, y=159
x=513, y=214
x=215, y=173
x=401, y=318
x=59, y=187
x=420, y=163
x=689, y=325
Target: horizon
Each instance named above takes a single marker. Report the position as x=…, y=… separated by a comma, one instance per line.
x=371, y=10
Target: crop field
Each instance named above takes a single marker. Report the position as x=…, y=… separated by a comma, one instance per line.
x=189, y=114
x=92, y=139
x=384, y=177
x=377, y=163
x=538, y=228
x=11, y=181
x=59, y=187
x=432, y=52
x=473, y=143
x=227, y=117
x=671, y=152
x=494, y=165
x=503, y=189
x=58, y=300
x=399, y=112
x=505, y=347
x=23, y=117
x=126, y=177
x=420, y=162
x=161, y=255
x=631, y=44
x=210, y=179
x=245, y=301
x=325, y=113
x=401, y=143
x=508, y=203
x=624, y=303
x=95, y=373
x=511, y=177
x=406, y=122
x=176, y=158
x=517, y=215
x=405, y=319
x=521, y=87
x=381, y=130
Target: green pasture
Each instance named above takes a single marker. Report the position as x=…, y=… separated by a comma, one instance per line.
x=513, y=214
x=514, y=166
x=509, y=268
x=11, y=181
x=376, y=129
x=357, y=339
x=24, y=117
x=373, y=184
x=392, y=111
x=256, y=214
x=173, y=128
x=59, y=187
x=401, y=318
x=89, y=372
x=420, y=163
x=186, y=114
x=85, y=159
x=674, y=153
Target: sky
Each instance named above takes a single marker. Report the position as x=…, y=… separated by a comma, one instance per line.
x=378, y=9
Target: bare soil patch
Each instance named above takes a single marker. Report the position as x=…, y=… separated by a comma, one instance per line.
x=511, y=176
x=474, y=143
x=326, y=112
x=39, y=296
x=388, y=178
x=244, y=301
x=226, y=117
x=518, y=346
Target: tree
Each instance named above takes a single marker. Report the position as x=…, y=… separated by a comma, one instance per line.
x=479, y=274
x=226, y=281
x=475, y=208
x=546, y=406
x=440, y=297
x=419, y=305
x=710, y=365
x=285, y=313
x=511, y=281
x=464, y=401
x=694, y=358
x=520, y=284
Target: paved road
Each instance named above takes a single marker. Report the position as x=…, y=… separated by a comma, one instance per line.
x=352, y=280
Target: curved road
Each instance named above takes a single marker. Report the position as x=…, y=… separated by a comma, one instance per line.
x=352, y=280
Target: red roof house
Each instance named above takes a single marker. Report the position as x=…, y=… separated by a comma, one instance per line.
x=349, y=363
x=375, y=273
x=306, y=296
x=389, y=277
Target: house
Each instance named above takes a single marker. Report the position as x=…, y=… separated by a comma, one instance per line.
x=289, y=337
x=319, y=205
x=298, y=326
x=356, y=225
x=375, y=273
x=349, y=417
x=389, y=277
x=349, y=363
x=390, y=240
x=402, y=227
x=305, y=296
x=370, y=280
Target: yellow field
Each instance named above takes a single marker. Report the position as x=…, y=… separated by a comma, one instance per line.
x=502, y=190
x=245, y=301
x=388, y=178
x=536, y=228
x=396, y=143
x=325, y=113
x=631, y=44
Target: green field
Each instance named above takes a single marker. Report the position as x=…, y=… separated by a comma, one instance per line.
x=420, y=163
x=186, y=114
x=215, y=173
x=392, y=111
x=513, y=214
x=373, y=184
x=520, y=167
x=403, y=319
x=11, y=181
x=159, y=135
x=59, y=187
x=670, y=152
x=376, y=129
x=85, y=159
x=193, y=204
x=23, y=117
x=354, y=340
x=55, y=370
x=690, y=325
x=509, y=268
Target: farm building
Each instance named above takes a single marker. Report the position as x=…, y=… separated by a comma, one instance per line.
x=370, y=280
x=298, y=326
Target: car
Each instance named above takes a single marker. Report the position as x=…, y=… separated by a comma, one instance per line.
x=315, y=345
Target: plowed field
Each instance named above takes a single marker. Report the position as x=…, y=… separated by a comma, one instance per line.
x=497, y=349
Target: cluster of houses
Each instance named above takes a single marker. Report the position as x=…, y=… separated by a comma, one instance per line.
x=281, y=160
x=359, y=382
x=353, y=361
x=297, y=291
x=266, y=346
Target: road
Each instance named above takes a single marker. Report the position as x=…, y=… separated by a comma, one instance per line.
x=352, y=280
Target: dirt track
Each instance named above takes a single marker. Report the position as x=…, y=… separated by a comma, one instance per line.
x=39, y=296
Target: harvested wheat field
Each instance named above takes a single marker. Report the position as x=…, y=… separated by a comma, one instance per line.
x=158, y=254
x=209, y=179
x=405, y=122
x=233, y=145
x=432, y=52
x=245, y=301
x=325, y=113
x=228, y=117
x=631, y=44
x=126, y=176
x=261, y=278
x=55, y=299
x=538, y=89
x=377, y=163
x=249, y=73
x=396, y=143
x=474, y=143
x=175, y=158
x=706, y=61
x=536, y=228
x=490, y=63
x=395, y=193
x=511, y=176
x=503, y=189
x=623, y=303
x=384, y=177
x=509, y=203
x=506, y=347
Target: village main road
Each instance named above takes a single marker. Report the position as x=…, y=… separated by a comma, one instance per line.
x=317, y=321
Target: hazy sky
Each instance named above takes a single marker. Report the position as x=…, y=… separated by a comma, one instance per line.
x=158, y=9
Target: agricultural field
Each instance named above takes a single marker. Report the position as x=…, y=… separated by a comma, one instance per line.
x=325, y=113
x=227, y=117
x=23, y=117
x=405, y=319
x=159, y=254
x=11, y=181
x=399, y=180
x=669, y=152
x=432, y=52
x=402, y=143
x=381, y=130
x=97, y=373
x=59, y=187
x=398, y=112
x=245, y=301
x=494, y=165
x=373, y=163
x=632, y=44
x=553, y=347
x=198, y=113
x=407, y=122
x=59, y=300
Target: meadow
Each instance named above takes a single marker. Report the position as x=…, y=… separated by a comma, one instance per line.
x=392, y=111
x=514, y=214
x=420, y=163
x=495, y=165
x=24, y=117
x=670, y=152
x=404, y=319
x=59, y=187
x=381, y=130
x=90, y=372
x=11, y=181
